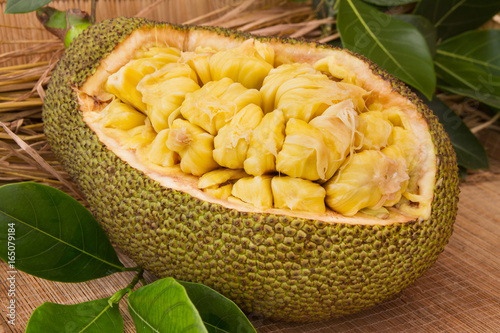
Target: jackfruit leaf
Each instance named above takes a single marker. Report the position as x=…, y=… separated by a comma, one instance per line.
x=390, y=3
x=424, y=26
x=470, y=152
x=219, y=313
x=95, y=316
x=479, y=47
x=394, y=45
x=24, y=6
x=484, y=97
x=469, y=63
x=167, y=306
x=452, y=17
x=468, y=79
x=46, y=233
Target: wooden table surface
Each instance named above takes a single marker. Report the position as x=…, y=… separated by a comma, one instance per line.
x=460, y=293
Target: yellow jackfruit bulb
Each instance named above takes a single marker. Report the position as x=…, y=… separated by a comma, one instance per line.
x=139, y=136
x=199, y=62
x=397, y=154
x=277, y=76
x=219, y=182
x=335, y=68
x=194, y=146
x=304, y=153
x=265, y=143
x=354, y=92
x=407, y=143
x=265, y=51
x=216, y=103
x=220, y=176
x=221, y=192
x=298, y=194
x=306, y=96
x=122, y=116
x=338, y=125
x=254, y=190
x=158, y=152
x=397, y=117
x=373, y=131
x=164, y=91
x=123, y=83
x=232, y=141
x=243, y=64
x=367, y=179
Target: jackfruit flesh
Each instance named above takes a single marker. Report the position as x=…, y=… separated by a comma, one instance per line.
x=292, y=136
x=123, y=83
x=247, y=64
x=265, y=143
x=254, y=190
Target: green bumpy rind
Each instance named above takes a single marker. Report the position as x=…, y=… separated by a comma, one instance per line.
x=285, y=268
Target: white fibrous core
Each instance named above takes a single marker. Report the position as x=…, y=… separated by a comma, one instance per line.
x=244, y=128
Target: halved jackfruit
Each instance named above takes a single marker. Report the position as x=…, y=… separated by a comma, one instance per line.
x=372, y=220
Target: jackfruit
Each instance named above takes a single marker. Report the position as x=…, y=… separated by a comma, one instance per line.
x=298, y=194
x=216, y=103
x=247, y=64
x=368, y=180
x=194, y=146
x=320, y=248
x=219, y=182
x=231, y=143
x=164, y=90
x=255, y=190
x=265, y=143
x=123, y=83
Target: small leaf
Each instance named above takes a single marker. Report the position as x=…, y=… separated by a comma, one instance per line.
x=395, y=46
x=89, y=317
x=53, y=236
x=218, y=312
x=470, y=152
x=424, y=26
x=164, y=306
x=24, y=6
x=452, y=17
x=390, y=3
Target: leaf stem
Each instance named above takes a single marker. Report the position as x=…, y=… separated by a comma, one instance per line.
x=115, y=299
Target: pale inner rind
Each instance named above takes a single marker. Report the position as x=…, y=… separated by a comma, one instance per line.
x=352, y=69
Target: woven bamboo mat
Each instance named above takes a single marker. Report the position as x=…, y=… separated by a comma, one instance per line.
x=460, y=293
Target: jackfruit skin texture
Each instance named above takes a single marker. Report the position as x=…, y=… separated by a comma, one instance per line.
x=285, y=268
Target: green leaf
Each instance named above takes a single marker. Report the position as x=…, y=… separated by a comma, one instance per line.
x=218, y=312
x=484, y=97
x=424, y=26
x=89, y=317
x=395, y=46
x=24, y=6
x=470, y=152
x=452, y=17
x=390, y=3
x=470, y=63
x=46, y=233
x=480, y=47
x=164, y=306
